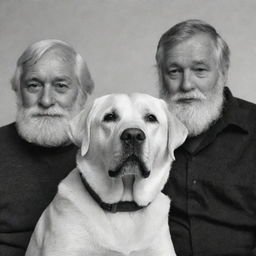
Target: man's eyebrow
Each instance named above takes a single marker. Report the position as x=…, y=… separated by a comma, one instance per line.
x=62, y=78
x=200, y=62
x=33, y=79
x=172, y=64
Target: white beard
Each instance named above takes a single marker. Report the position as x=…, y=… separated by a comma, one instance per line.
x=46, y=127
x=199, y=115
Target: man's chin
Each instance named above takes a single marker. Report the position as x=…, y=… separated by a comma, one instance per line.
x=46, y=132
x=198, y=116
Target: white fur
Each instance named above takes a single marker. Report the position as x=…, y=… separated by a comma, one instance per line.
x=74, y=224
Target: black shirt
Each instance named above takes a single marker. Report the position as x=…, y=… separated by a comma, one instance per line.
x=29, y=176
x=212, y=185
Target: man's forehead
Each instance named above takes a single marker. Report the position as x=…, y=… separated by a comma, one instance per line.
x=54, y=54
x=50, y=63
x=198, y=49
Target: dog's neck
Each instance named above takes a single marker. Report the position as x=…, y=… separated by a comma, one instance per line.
x=112, y=190
x=122, y=206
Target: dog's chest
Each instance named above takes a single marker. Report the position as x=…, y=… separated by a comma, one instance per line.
x=121, y=233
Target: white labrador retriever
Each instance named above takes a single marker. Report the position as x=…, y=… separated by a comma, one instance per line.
x=112, y=204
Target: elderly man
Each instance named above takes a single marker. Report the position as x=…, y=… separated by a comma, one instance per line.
x=213, y=181
x=51, y=83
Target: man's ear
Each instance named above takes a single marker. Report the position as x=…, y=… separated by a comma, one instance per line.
x=177, y=133
x=79, y=128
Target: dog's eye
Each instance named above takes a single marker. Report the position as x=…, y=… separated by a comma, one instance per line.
x=151, y=118
x=110, y=117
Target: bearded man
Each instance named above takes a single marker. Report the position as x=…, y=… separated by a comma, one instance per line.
x=212, y=183
x=52, y=83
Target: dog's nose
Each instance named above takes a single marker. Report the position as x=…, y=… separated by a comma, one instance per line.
x=132, y=136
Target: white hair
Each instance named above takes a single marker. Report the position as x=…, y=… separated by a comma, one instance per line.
x=186, y=30
x=37, y=50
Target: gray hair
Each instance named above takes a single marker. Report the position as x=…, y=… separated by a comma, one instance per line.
x=187, y=29
x=37, y=50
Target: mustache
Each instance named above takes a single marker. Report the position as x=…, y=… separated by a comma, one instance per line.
x=55, y=111
x=132, y=158
x=197, y=95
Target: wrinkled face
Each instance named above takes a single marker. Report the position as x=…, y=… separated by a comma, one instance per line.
x=194, y=83
x=49, y=97
x=191, y=65
x=129, y=135
x=50, y=81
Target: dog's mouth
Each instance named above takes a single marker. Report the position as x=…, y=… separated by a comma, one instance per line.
x=132, y=165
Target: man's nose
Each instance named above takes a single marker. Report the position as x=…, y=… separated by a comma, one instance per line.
x=187, y=83
x=46, y=99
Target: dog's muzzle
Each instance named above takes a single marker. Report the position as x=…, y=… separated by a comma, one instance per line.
x=132, y=140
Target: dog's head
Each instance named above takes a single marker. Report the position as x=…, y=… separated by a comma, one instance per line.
x=127, y=144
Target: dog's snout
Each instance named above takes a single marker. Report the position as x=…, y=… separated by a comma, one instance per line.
x=133, y=136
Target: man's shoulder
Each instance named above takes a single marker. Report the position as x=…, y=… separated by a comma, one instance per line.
x=247, y=107
x=7, y=126
x=242, y=103
x=9, y=139
x=7, y=131
x=246, y=112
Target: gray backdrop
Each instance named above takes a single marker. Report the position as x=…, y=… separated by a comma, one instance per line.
x=118, y=39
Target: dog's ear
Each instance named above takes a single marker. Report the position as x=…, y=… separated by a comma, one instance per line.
x=79, y=128
x=177, y=133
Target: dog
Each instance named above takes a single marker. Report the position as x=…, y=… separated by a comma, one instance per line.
x=112, y=204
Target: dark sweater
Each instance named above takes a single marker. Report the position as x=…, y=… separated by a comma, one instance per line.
x=29, y=176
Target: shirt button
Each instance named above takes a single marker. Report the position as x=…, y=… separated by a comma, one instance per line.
x=194, y=182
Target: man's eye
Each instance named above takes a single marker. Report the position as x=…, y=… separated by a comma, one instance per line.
x=151, y=118
x=33, y=87
x=174, y=72
x=62, y=87
x=110, y=117
x=200, y=71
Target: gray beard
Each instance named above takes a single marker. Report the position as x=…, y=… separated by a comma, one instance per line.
x=43, y=131
x=46, y=131
x=199, y=116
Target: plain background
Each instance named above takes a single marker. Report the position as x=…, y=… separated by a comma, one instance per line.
x=118, y=39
